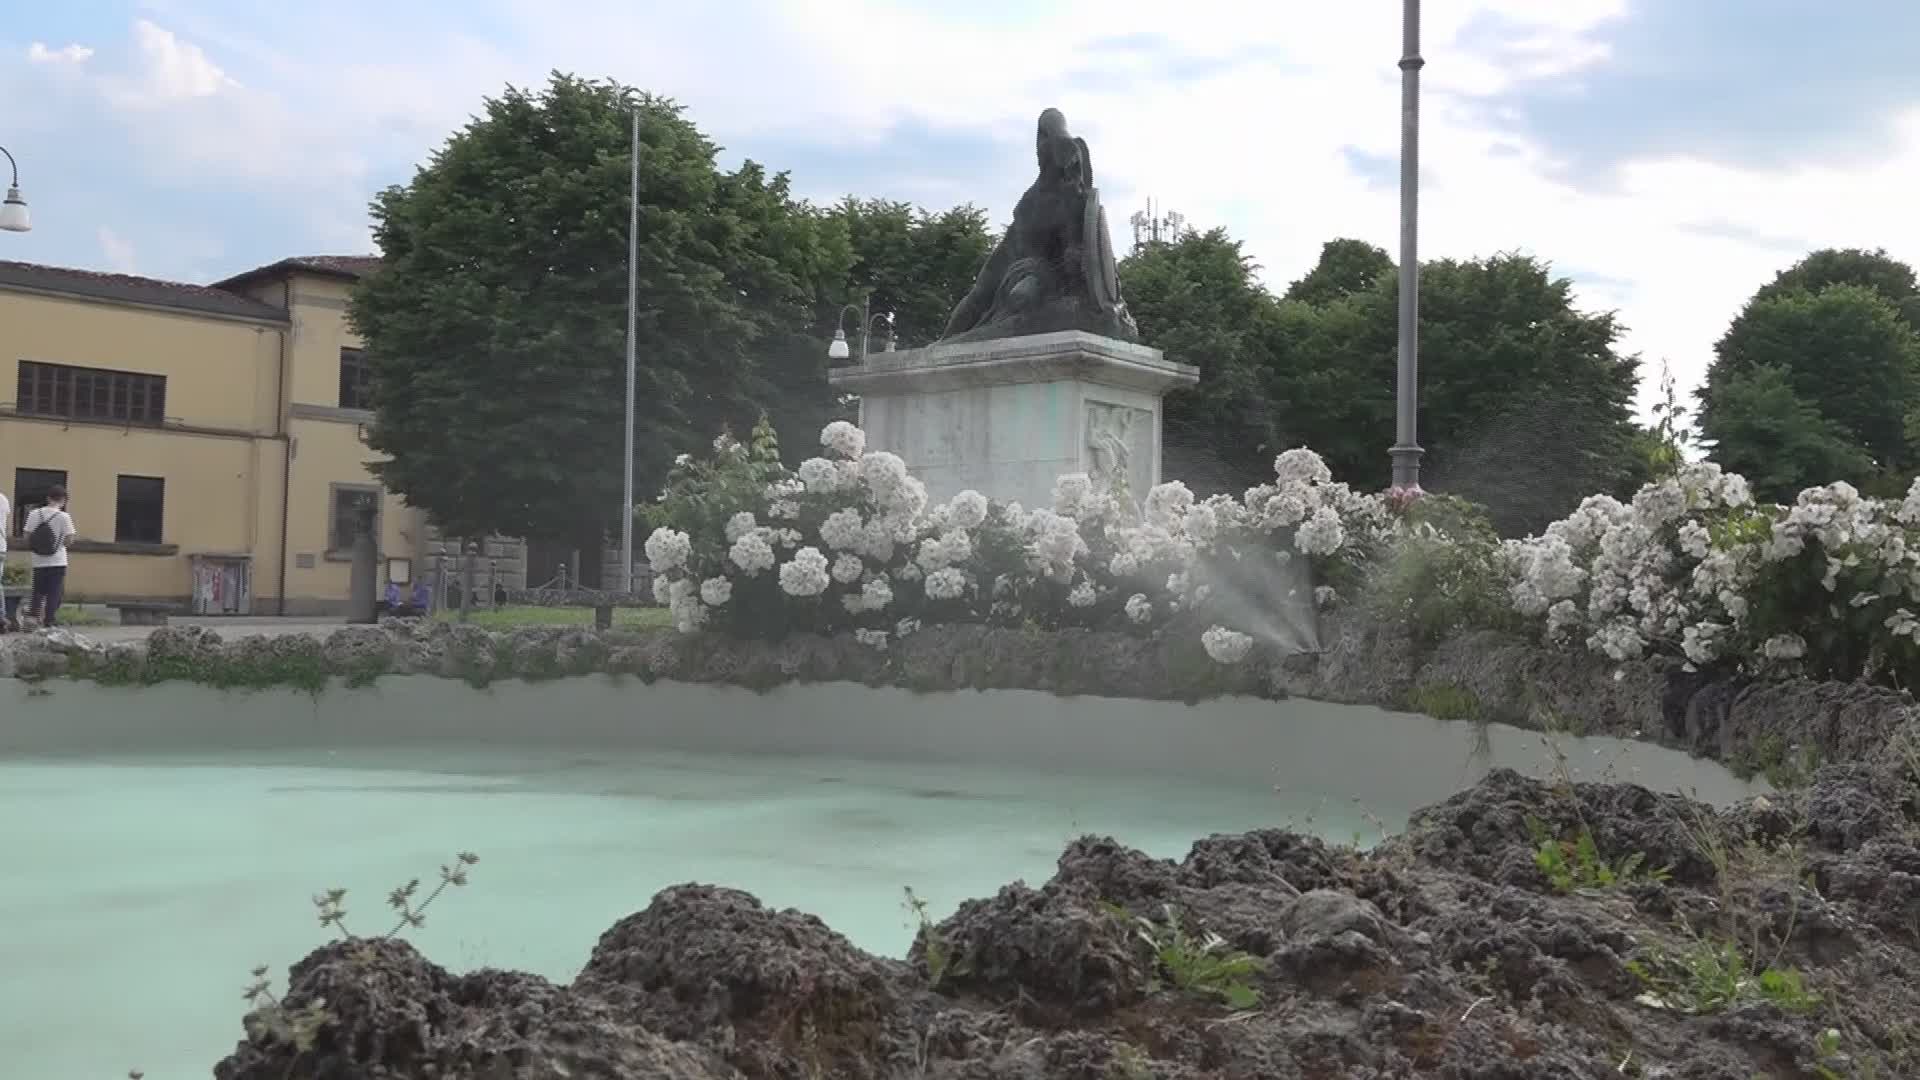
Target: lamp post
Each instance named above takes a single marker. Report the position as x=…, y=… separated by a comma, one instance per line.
x=838, y=350
x=1406, y=448
x=13, y=211
x=633, y=303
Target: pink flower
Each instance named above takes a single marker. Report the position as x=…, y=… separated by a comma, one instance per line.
x=1401, y=499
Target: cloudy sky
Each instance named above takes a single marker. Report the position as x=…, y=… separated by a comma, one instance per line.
x=1667, y=155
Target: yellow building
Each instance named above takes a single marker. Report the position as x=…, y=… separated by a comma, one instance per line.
x=211, y=438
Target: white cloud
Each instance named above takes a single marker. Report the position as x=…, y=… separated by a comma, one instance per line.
x=171, y=70
x=1234, y=114
x=38, y=53
x=117, y=251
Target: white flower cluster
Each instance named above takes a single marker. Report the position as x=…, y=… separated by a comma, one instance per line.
x=1226, y=646
x=1693, y=567
x=851, y=529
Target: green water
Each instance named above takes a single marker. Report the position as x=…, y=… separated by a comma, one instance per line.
x=136, y=893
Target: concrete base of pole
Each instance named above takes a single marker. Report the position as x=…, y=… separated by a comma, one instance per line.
x=1406, y=465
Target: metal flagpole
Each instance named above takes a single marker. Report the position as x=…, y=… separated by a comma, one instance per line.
x=633, y=300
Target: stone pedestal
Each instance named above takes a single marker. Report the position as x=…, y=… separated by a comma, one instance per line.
x=1007, y=417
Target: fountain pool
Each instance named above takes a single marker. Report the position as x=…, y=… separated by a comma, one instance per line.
x=159, y=843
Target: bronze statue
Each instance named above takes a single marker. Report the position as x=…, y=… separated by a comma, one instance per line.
x=1054, y=269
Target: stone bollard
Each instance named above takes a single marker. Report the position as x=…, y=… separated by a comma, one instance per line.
x=361, y=589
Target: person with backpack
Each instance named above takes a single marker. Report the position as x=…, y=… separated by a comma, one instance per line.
x=9, y=612
x=49, y=530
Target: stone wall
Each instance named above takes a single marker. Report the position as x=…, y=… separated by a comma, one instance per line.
x=507, y=556
x=1748, y=725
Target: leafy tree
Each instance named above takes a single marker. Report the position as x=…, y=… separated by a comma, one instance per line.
x=912, y=264
x=918, y=264
x=1196, y=298
x=1876, y=270
x=1848, y=359
x=1765, y=431
x=1345, y=267
x=496, y=326
x=1525, y=406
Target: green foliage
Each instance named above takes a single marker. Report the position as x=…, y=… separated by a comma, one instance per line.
x=1809, y=386
x=1762, y=428
x=241, y=670
x=507, y=618
x=1525, y=404
x=1444, y=701
x=1663, y=447
x=702, y=493
x=1201, y=965
x=918, y=264
x=15, y=574
x=1710, y=976
x=496, y=325
x=939, y=954
x=1346, y=267
x=1875, y=270
x=1578, y=863
x=1197, y=298
x=1130, y=1063
x=1784, y=765
x=272, y=1020
x=1443, y=575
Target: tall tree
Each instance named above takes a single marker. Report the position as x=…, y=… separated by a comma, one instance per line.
x=496, y=325
x=917, y=264
x=1525, y=404
x=1875, y=270
x=1346, y=267
x=1767, y=432
x=1196, y=297
x=911, y=264
x=1848, y=358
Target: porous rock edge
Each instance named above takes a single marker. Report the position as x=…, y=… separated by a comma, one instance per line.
x=1494, y=677
x=1443, y=953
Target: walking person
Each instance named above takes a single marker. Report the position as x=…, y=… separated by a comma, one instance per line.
x=49, y=530
x=10, y=607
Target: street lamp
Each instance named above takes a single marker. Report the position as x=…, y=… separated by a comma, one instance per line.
x=1406, y=448
x=838, y=350
x=13, y=212
x=633, y=307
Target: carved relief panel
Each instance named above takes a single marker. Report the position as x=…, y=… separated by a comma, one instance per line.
x=1119, y=447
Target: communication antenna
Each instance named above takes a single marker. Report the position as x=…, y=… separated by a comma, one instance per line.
x=1151, y=227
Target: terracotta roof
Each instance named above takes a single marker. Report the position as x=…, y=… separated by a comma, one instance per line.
x=340, y=266
x=127, y=288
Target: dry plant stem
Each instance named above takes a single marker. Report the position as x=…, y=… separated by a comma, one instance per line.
x=334, y=915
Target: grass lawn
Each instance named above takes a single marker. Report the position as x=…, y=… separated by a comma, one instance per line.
x=626, y=618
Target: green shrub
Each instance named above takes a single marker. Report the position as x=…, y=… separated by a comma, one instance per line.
x=1442, y=575
x=1444, y=701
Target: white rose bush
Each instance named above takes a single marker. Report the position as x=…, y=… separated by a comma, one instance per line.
x=848, y=542
x=1690, y=567
x=1694, y=569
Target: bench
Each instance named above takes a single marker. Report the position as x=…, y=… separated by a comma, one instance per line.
x=142, y=612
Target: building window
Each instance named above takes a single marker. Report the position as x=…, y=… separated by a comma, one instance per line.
x=79, y=393
x=356, y=380
x=138, y=509
x=347, y=500
x=30, y=490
